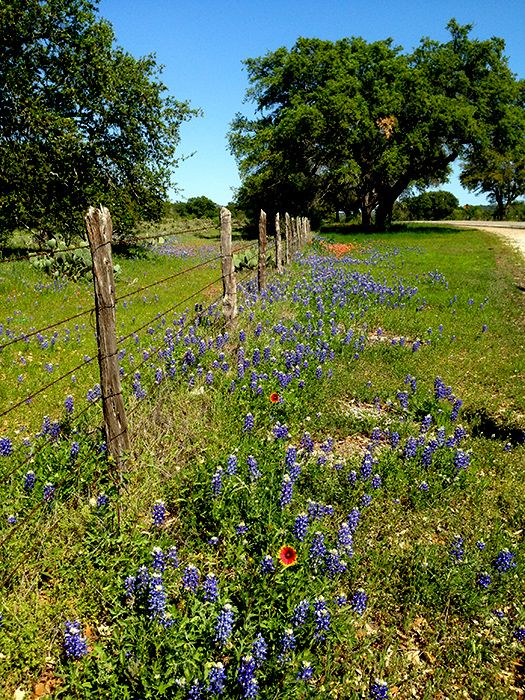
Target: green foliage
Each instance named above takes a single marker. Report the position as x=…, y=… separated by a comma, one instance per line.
x=82, y=122
x=430, y=206
x=350, y=125
x=63, y=263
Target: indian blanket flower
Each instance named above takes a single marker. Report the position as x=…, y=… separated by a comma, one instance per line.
x=274, y=397
x=224, y=625
x=287, y=556
x=75, y=644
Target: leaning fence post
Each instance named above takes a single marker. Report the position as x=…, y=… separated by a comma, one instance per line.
x=287, y=239
x=261, y=270
x=229, y=284
x=100, y=231
x=278, y=246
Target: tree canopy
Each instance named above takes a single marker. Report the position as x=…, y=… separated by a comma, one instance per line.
x=81, y=121
x=350, y=125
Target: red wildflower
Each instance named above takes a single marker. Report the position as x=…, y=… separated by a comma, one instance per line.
x=287, y=556
x=274, y=397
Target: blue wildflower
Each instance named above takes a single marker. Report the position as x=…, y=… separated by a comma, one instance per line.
x=224, y=625
x=75, y=644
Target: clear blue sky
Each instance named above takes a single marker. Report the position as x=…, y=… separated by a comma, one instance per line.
x=202, y=44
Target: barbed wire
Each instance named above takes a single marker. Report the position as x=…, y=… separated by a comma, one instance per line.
x=85, y=245
x=47, y=328
x=47, y=386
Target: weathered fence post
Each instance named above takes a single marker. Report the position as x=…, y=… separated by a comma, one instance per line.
x=229, y=284
x=100, y=231
x=278, y=246
x=287, y=239
x=261, y=270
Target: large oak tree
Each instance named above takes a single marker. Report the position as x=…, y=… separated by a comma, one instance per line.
x=351, y=125
x=81, y=121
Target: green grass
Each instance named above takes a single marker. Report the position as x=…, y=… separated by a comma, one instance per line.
x=428, y=630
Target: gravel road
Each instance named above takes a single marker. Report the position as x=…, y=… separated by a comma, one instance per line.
x=512, y=231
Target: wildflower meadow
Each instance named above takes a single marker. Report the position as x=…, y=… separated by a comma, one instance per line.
x=324, y=499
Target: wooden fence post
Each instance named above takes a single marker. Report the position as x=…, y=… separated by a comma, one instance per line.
x=229, y=283
x=261, y=270
x=278, y=246
x=287, y=239
x=100, y=231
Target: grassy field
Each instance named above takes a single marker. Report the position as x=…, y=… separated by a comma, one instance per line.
x=325, y=501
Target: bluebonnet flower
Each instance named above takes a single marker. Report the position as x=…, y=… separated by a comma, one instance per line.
x=480, y=545
x=267, y=564
x=12, y=519
x=280, y=432
x=504, y=561
x=29, y=481
x=499, y=614
x=341, y=600
x=157, y=597
x=358, y=602
x=68, y=405
x=49, y=491
x=483, y=579
x=352, y=477
x=376, y=481
x=241, y=528
x=290, y=457
x=246, y=678
x=172, y=557
x=158, y=559
x=456, y=406
x=366, y=466
x=216, y=482
x=231, y=465
x=259, y=650
x=353, y=519
x=426, y=423
x=334, y=564
x=344, y=538
x=378, y=690
x=410, y=448
x=287, y=645
x=322, y=623
x=190, y=578
x=224, y=625
x=307, y=443
x=461, y=460
x=300, y=613
x=286, y=491
x=158, y=513
x=129, y=586
x=75, y=644
x=75, y=450
x=249, y=423
x=457, y=549
x=253, y=468
x=6, y=447
x=196, y=691
x=317, y=548
x=402, y=397
x=210, y=587
x=305, y=671
x=423, y=486
x=519, y=634
x=366, y=500
x=394, y=439
x=216, y=679
x=102, y=500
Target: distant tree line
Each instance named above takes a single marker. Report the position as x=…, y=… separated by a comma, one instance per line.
x=351, y=126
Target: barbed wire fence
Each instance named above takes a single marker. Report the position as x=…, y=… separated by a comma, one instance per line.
x=114, y=426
